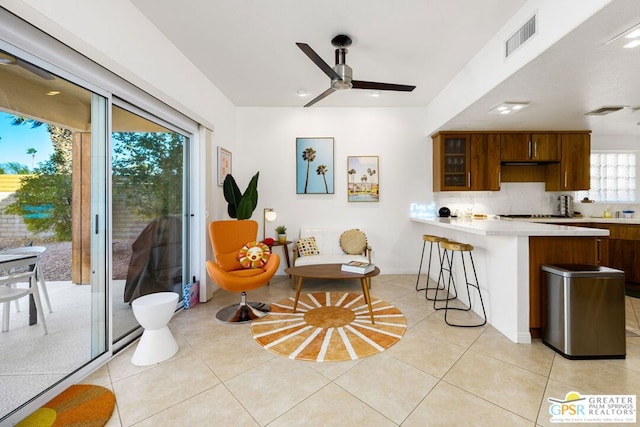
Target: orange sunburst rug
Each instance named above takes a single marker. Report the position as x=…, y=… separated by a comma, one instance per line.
x=81, y=405
x=329, y=326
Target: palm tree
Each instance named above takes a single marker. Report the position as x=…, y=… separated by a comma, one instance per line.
x=352, y=172
x=32, y=152
x=309, y=155
x=363, y=178
x=14, y=168
x=371, y=172
x=61, y=139
x=322, y=170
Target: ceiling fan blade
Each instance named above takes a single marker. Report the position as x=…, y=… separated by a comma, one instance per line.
x=359, y=84
x=33, y=69
x=318, y=61
x=321, y=96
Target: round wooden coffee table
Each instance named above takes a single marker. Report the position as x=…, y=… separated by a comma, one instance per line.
x=332, y=272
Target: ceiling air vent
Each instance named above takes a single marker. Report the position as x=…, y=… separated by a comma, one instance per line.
x=521, y=36
x=604, y=110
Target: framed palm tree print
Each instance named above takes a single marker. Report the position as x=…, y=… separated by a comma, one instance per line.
x=314, y=166
x=363, y=178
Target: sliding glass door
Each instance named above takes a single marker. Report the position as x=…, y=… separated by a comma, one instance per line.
x=104, y=189
x=53, y=194
x=149, y=221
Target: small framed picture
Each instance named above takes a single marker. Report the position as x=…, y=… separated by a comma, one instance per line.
x=314, y=166
x=363, y=178
x=224, y=164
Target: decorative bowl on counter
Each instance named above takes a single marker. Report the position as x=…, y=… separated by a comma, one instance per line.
x=627, y=214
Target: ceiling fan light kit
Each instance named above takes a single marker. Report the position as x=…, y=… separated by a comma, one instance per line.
x=341, y=74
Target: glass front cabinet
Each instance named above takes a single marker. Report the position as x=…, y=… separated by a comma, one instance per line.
x=466, y=162
x=451, y=162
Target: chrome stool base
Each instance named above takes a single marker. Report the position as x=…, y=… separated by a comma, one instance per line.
x=243, y=312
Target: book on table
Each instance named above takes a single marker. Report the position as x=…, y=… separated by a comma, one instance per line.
x=359, y=267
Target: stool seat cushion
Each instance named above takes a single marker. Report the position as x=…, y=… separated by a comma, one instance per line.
x=433, y=239
x=456, y=246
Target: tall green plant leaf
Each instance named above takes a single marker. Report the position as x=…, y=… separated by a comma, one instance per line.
x=232, y=195
x=249, y=199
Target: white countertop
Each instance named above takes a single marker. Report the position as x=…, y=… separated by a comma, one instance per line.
x=508, y=227
x=585, y=219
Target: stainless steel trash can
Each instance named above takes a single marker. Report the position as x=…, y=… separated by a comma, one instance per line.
x=583, y=311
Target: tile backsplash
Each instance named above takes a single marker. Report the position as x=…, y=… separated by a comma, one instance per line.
x=521, y=198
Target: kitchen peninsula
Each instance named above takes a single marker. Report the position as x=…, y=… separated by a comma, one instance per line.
x=508, y=255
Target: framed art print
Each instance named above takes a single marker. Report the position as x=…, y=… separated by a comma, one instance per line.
x=363, y=178
x=314, y=166
x=224, y=164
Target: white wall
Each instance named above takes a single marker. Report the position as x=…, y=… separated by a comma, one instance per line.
x=266, y=143
x=488, y=68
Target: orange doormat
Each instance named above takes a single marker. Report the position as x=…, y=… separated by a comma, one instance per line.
x=329, y=326
x=80, y=405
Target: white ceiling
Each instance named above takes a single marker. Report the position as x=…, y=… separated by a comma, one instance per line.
x=247, y=49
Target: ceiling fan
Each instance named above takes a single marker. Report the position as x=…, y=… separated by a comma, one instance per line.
x=341, y=74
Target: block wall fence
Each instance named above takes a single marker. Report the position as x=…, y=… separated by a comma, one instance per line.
x=126, y=225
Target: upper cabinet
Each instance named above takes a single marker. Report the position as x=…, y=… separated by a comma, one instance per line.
x=573, y=172
x=480, y=160
x=466, y=162
x=529, y=147
x=451, y=162
x=485, y=162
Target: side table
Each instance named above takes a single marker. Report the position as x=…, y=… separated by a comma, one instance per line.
x=285, y=249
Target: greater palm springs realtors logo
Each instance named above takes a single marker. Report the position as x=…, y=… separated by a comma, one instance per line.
x=593, y=408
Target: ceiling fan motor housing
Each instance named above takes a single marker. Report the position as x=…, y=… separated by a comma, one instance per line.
x=346, y=74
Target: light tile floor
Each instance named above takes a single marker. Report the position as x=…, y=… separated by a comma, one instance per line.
x=435, y=375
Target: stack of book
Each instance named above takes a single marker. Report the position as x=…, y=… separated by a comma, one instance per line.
x=358, y=267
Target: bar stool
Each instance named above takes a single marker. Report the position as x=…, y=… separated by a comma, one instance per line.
x=450, y=248
x=437, y=240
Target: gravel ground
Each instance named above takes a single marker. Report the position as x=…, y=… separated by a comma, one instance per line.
x=56, y=261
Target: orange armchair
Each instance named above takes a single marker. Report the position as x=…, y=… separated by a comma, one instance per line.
x=227, y=238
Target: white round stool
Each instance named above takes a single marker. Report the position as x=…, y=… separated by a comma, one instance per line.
x=153, y=312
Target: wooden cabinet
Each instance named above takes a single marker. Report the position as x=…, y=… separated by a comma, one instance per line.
x=553, y=250
x=478, y=161
x=485, y=162
x=624, y=250
x=466, y=162
x=573, y=172
x=621, y=250
x=529, y=147
x=451, y=154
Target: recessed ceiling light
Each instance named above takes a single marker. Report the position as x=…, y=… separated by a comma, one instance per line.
x=53, y=92
x=632, y=44
x=631, y=33
x=509, y=107
x=6, y=59
x=302, y=93
x=375, y=93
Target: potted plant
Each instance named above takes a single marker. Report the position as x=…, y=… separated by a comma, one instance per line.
x=282, y=234
x=240, y=205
